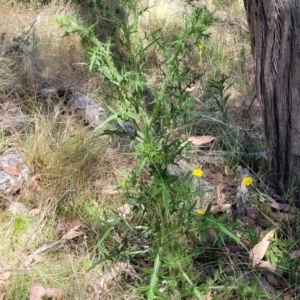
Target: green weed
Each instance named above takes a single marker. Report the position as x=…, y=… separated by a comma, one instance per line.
x=163, y=227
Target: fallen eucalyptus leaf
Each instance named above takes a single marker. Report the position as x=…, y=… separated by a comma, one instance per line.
x=258, y=252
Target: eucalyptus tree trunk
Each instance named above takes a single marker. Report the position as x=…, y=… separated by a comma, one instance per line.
x=275, y=42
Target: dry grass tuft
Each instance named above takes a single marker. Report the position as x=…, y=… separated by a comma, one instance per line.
x=8, y=77
x=60, y=150
x=55, y=55
x=164, y=15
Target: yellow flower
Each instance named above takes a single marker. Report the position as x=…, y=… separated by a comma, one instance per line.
x=200, y=47
x=198, y=173
x=201, y=212
x=247, y=180
x=123, y=183
x=95, y=204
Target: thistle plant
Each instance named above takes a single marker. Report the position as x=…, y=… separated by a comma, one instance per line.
x=163, y=208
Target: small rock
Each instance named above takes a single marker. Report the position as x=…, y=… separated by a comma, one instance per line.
x=11, y=117
x=87, y=108
x=14, y=173
x=5, y=276
x=17, y=208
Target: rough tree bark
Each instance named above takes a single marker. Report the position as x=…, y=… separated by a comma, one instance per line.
x=275, y=42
